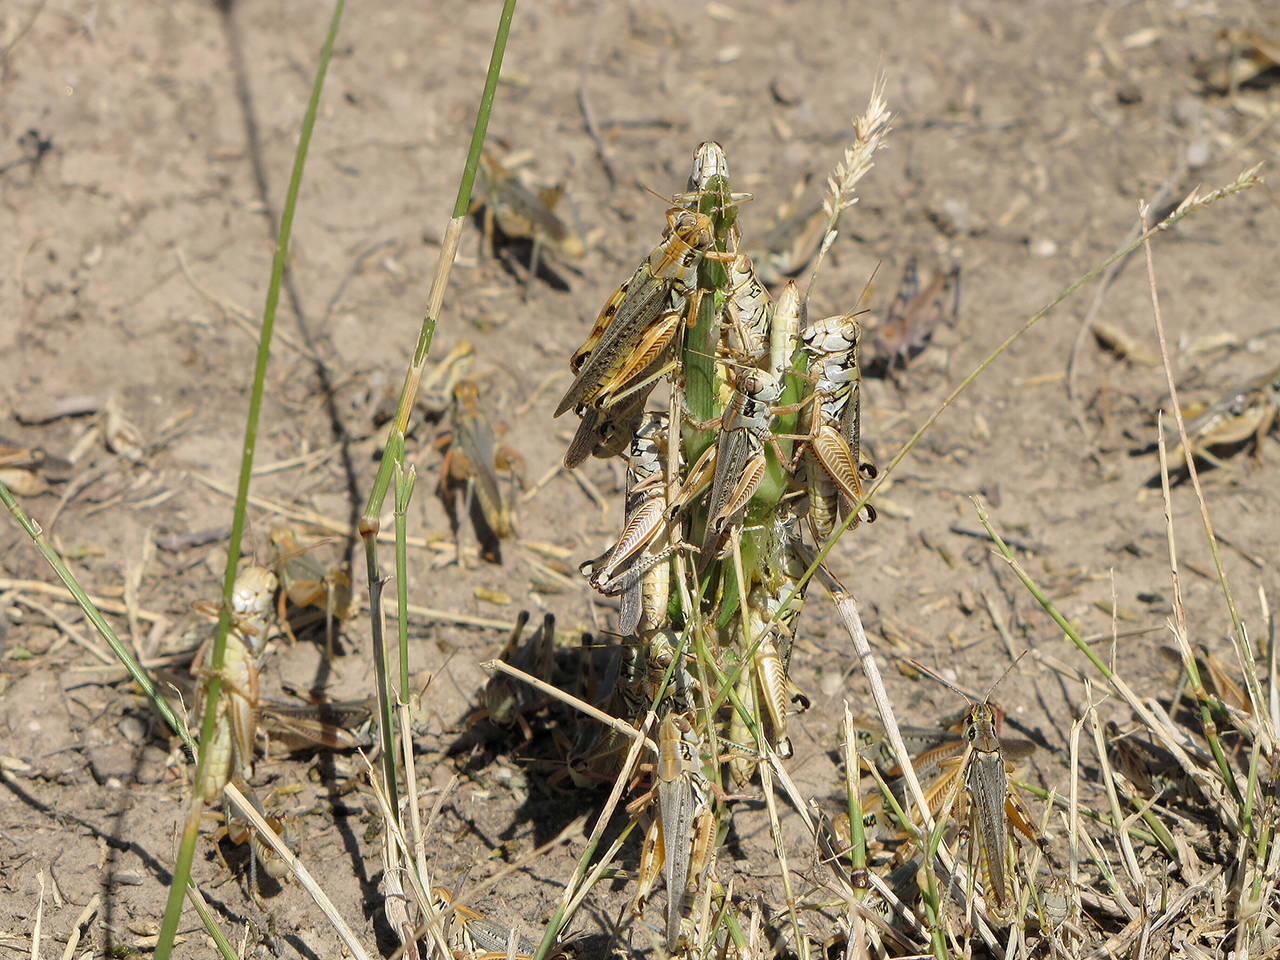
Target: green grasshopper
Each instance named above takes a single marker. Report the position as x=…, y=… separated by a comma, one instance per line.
x=739, y=455
x=236, y=726
x=834, y=465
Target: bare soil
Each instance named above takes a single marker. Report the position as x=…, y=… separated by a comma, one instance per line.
x=144, y=153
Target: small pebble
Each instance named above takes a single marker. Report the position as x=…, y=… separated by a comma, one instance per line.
x=1044, y=248
x=1186, y=111
x=1129, y=94
x=1198, y=152
x=783, y=92
x=132, y=729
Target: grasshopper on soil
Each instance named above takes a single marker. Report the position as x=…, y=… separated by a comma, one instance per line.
x=475, y=457
x=1246, y=412
x=912, y=318
x=473, y=936
x=305, y=582
x=834, y=465
x=519, y=213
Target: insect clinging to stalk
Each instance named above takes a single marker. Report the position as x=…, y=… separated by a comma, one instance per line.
x=834, y=464
x=236, y=724
x=635, y=566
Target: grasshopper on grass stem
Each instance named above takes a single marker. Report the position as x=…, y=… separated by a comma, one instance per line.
x=994, y=809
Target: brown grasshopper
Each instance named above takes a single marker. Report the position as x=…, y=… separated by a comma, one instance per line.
x=639, y=321
x=990, y=809
x=237, y=831
x=231, y=749
x=520, y=213
x=333, y=725
x=475, y=457
x=912, y=318
x=679, y=840
x=1246, y=412
x=635, y=566
x=473, y=936
x=790, y=244
x=834, y=464
x=305, y=582
x=435, y=393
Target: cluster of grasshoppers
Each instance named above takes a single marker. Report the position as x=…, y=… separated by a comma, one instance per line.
x=763, y=431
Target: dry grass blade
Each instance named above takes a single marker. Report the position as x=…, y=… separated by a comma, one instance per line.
x=595, y=713
x=246, y=811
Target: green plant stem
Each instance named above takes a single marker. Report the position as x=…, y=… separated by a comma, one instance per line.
x=404, y=492
x=182, y=867
x=369, y=521
x=94, y=616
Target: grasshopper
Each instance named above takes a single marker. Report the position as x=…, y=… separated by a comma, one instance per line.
x=231, y=749
x=306, y=583
x=739, y=454
x=521, y=213
x=505, y=701
x=790, y=244
x=473, y=936
x=435, y=393
x=333, y=725
x=680, y=838
x=994, y=809
x=912, y=318
x=632, y=567
x=238, y=832
x=834, y=465
x=936, y=765
x=640, y=319
x=1246, y=412
x=746, y=314
x=766, y=682
x=474, y=458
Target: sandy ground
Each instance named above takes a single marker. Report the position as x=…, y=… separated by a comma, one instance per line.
x=144, y=153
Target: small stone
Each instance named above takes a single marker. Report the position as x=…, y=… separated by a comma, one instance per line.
x=132, y=729
x=1198, y=153
x=1186, y=111
x=1044, y=248
x=783, y=92
x=1129, y=94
